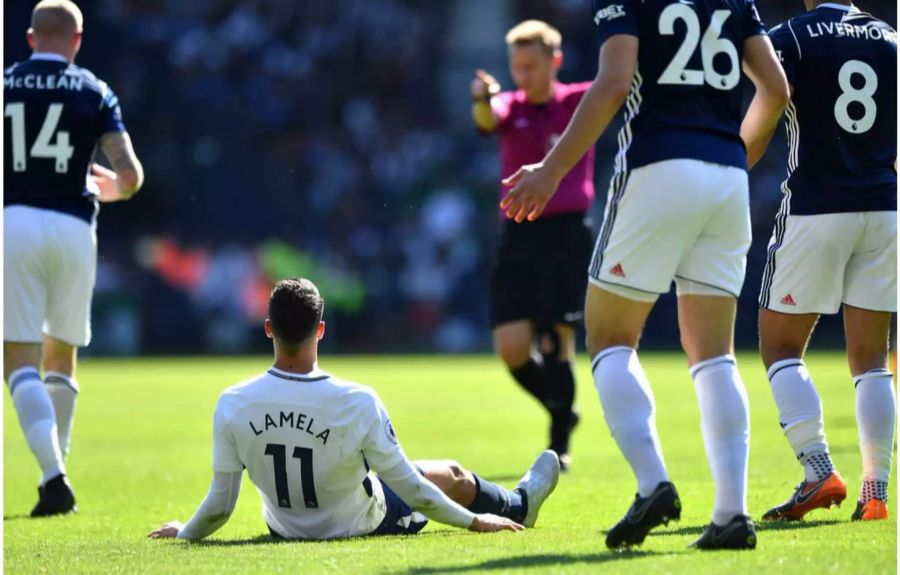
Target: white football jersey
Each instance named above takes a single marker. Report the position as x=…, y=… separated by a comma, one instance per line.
x=308, y=442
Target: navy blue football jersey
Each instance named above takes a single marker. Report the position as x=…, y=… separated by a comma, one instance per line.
x=54, y=114
x=686, y=99
x=842, y=119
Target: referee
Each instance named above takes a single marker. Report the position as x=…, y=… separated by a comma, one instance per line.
x=537, y=297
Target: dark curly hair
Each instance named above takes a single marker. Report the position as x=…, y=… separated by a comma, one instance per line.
x=295, y=310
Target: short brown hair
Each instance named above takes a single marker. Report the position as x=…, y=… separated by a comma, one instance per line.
x=535, y=32
x=295, y=310
x=56, y=18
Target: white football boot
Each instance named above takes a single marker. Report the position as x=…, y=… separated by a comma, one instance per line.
x=538, y=483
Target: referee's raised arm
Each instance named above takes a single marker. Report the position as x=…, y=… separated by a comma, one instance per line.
x=484, y=87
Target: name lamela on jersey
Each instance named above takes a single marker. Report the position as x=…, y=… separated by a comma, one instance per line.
x=841, y=29
x=44, y=82
x=290, y=419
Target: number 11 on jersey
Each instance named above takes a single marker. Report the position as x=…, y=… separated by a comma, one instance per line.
x=307, y=485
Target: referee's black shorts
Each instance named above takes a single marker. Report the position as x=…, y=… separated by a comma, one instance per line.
x=541, y=271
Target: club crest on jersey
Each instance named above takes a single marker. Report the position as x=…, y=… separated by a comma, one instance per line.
x=609, y=13
x=389, y=431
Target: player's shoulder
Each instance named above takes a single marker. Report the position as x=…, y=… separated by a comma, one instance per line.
x=92, y=81
x=355, y=392
x=239, y=393
x=11, y=69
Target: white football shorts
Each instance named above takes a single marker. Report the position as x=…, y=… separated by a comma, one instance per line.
x=682, y=220
x=817, y=262
x=49, y=267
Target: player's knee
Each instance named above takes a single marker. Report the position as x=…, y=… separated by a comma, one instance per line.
x=775, y=351
x=514, y=353
x=863, y=357
x=598, y=340
x=452, y=479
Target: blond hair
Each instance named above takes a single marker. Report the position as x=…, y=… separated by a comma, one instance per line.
x=535, y=32
x=56, y=18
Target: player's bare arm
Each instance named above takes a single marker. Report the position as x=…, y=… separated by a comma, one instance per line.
x=772, y=96
x=127, y=174
x=534, y=185
x=484, y=87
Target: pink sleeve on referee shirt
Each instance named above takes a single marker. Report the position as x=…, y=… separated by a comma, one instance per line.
x=502, y=105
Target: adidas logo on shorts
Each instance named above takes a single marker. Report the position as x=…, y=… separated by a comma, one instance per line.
x=788, y=300
x=617, y=270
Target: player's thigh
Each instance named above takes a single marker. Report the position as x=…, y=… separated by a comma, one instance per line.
x=806, y=262
x=613, y=320
x=870, y=278
x=651, y=221
x=24, y=274
x=513, y=341
x=706, y=323
x=72, y=281
x=868, y=335
x=784, y=335
x=715, y=264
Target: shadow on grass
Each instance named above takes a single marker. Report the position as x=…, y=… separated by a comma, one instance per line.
x=16, y=517
x=258, y=540
x=792, y=525
x=686, y=530
x=543, y=561
x=760, y=526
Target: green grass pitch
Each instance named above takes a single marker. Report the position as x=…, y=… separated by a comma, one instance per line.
x=142, y=449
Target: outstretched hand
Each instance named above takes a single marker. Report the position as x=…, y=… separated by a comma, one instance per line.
x=533, y=186
x=167, y=531
x=489, y=523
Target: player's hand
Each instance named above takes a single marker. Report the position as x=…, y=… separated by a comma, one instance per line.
x=484, y=86
x=533, y=186
x=167, y=531
x=107, y=182
x=488, y=523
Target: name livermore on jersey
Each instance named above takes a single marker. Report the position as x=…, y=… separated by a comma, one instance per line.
x=842, y=119
x=308, y=443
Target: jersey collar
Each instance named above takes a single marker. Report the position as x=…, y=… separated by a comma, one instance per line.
x=315, y=375
x=49, y=56
x=841, y=7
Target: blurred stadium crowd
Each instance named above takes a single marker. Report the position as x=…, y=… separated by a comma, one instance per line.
x=328, y=139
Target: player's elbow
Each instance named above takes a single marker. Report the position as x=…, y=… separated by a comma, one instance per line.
x=780, y=93
x=130, y=179
x=615, y=88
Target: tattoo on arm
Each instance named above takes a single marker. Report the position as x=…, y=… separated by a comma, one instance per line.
x=118, y=150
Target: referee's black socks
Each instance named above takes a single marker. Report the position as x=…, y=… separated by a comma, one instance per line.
x=533, y=379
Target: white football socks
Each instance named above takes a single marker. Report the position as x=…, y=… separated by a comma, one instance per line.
x=630, y=413
x=725, y=420
x=800, y=415
x=875, y=412
x=63, y=391
x=38, y=422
